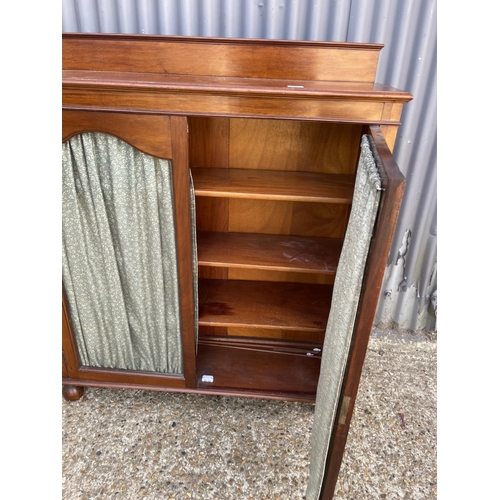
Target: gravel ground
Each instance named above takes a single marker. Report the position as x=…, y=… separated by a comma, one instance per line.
x=121, y=444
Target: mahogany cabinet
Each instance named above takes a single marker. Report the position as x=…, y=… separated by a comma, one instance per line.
x=264, y=140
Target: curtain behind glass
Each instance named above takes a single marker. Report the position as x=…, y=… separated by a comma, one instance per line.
x=119, y=255
x=345, y=298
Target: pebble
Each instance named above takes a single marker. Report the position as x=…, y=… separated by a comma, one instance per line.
x=258, y=449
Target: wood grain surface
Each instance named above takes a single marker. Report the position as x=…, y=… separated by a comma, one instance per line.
x=234, y=57
x=290, y=218
x=321, y=147
x=269, y=252
x=273, y=185
x=293, y=306
x=147, y=133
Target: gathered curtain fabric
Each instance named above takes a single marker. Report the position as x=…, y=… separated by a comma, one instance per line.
x=119, y=255
x=345, y=298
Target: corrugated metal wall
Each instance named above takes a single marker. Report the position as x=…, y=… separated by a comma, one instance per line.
x=408, y=61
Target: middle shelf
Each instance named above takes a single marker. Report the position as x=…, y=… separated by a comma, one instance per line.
x=269, y=252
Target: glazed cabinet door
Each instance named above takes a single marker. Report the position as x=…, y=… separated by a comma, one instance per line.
x=129, y=269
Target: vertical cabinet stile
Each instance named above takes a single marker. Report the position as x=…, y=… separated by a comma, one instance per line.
x=183, y=224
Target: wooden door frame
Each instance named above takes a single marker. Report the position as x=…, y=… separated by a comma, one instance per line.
x=393, y=183
x=142, y=132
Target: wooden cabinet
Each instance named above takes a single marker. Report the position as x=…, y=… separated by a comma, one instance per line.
x=264, y=140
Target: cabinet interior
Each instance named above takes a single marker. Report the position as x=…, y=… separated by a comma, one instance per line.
x=272, y=206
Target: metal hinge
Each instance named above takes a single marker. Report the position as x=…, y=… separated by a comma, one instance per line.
x=343, y=410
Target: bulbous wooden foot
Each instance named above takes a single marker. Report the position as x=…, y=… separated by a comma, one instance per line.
x=72, y=392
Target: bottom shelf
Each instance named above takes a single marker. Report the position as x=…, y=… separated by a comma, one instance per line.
x=259, y=372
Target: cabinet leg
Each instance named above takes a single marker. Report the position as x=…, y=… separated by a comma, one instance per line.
x=72, y=392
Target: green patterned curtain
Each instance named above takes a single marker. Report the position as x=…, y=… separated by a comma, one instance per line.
x=345, y=298
x=119, y=255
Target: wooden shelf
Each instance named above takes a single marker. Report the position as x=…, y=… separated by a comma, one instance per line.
x=258, y=372
x=291, y=347
x=273, y=185
x=262, y=304
x=269, y=252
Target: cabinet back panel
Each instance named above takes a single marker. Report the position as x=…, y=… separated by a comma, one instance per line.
x=286, y=217
x=212, y=214
x=263, y=333
x=294, y=145
x=277, y=334
x=265, y=275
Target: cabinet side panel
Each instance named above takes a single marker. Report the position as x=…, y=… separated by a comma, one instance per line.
x=208, y=141
x=390, y=134
x=209, y=147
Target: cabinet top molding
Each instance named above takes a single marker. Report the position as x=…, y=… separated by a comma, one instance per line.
x=226, y=77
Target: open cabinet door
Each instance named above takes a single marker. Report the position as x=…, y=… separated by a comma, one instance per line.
x=129, y=270
x=377, y=197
